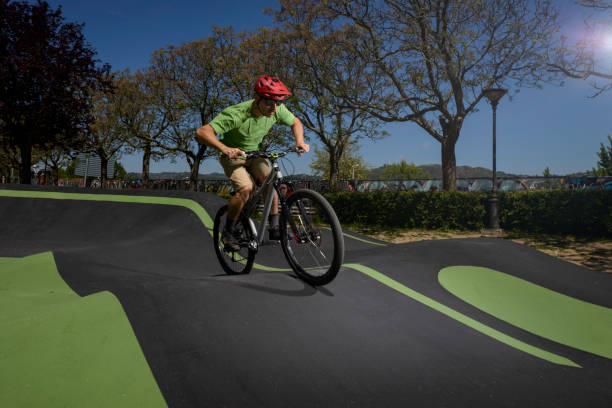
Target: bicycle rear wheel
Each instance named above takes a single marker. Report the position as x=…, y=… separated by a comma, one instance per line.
x=311, y=237
x=234, y=262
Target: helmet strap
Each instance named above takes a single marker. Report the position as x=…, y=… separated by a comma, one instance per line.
x=255, y=109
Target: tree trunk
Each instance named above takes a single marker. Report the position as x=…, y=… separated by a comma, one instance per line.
x=25, y=172
x=55, y=172
x=195, y=169
x=193, y=176
x=103, y=169
x=449, y=165
x=334, y=169
x=146, y=161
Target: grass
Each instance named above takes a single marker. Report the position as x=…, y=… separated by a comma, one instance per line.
x=595, y=254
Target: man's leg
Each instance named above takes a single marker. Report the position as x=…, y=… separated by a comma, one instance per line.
x=237, y=202
x=242, y=185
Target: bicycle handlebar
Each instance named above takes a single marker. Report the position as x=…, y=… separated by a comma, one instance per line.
x=272, y=155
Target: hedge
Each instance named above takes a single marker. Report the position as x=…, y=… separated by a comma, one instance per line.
x=585, y=213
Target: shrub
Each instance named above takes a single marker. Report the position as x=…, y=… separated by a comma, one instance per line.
x=586, y=213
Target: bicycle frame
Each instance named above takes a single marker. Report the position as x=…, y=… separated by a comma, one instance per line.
x=272, y=183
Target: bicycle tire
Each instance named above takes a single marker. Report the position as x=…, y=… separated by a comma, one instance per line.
x=233, y=262
x=314, y=245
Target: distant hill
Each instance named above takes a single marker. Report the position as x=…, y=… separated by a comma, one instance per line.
x=435, y=171
x=177, y=176
x=209, y=176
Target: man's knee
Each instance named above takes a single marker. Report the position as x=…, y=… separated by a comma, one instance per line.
x=245, y=191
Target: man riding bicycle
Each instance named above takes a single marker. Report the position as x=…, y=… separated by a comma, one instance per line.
x=243, y=127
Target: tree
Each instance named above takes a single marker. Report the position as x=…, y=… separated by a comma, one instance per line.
x=142, y=120
x=69, y=171
x=119, y=172
x=325, y=78
x=257, y=53
x=351, y=166
x=56, y=159
x=604, y=164
x=587, y=58
x=191, y=90
x=403, y=171
x=47, y=72
x=436, y=57
x=9, y=155
x=106, y=137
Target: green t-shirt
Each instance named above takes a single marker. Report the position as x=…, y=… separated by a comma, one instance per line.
x=240, y=129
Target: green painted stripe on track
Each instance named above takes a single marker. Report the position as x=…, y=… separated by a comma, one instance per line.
x=360, y=239
x=200, y=212
x=533, y=308
x=363, y=240
x=63, y=350
x=181, y=202
x=468, y=321
x=270, y=268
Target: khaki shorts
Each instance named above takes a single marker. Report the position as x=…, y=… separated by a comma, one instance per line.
x=237, y=170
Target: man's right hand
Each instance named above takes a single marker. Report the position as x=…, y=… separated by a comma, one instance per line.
x=233, y=153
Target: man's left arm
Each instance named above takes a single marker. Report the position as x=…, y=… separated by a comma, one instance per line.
x=298, y=133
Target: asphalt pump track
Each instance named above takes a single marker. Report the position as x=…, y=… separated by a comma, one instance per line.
x=114, y=298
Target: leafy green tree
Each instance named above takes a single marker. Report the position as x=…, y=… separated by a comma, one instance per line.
x=435, y=58
x=47, y=74
x=549, y=183
x=9, y=154
x=403, y=170
x=604, y=164
x=106, y=137
x=119, y=172
x=351, y=167
x=69, y=171
x=56, y=159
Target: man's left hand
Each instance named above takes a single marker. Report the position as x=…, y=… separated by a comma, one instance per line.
x=303, y=146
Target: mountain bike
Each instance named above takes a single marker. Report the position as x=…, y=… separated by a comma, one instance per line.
x=310, y=233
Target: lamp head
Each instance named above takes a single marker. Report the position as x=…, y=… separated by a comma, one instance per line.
x=494, y=94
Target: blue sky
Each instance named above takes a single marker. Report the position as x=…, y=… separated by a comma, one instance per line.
x=555, y=127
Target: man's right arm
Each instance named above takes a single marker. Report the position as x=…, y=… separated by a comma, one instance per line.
x=206, y=135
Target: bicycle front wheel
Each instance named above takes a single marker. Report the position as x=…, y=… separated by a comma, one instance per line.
x=234, y=262
x=311, y=237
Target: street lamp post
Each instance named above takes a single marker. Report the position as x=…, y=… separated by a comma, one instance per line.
x=494, y=95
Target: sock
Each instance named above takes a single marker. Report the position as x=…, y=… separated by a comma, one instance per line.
x=273, y=219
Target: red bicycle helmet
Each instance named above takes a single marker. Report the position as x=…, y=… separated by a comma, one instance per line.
x=270, y=87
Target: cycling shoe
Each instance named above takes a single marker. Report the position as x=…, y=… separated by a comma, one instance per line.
x=230, y=242
x=274, y=234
